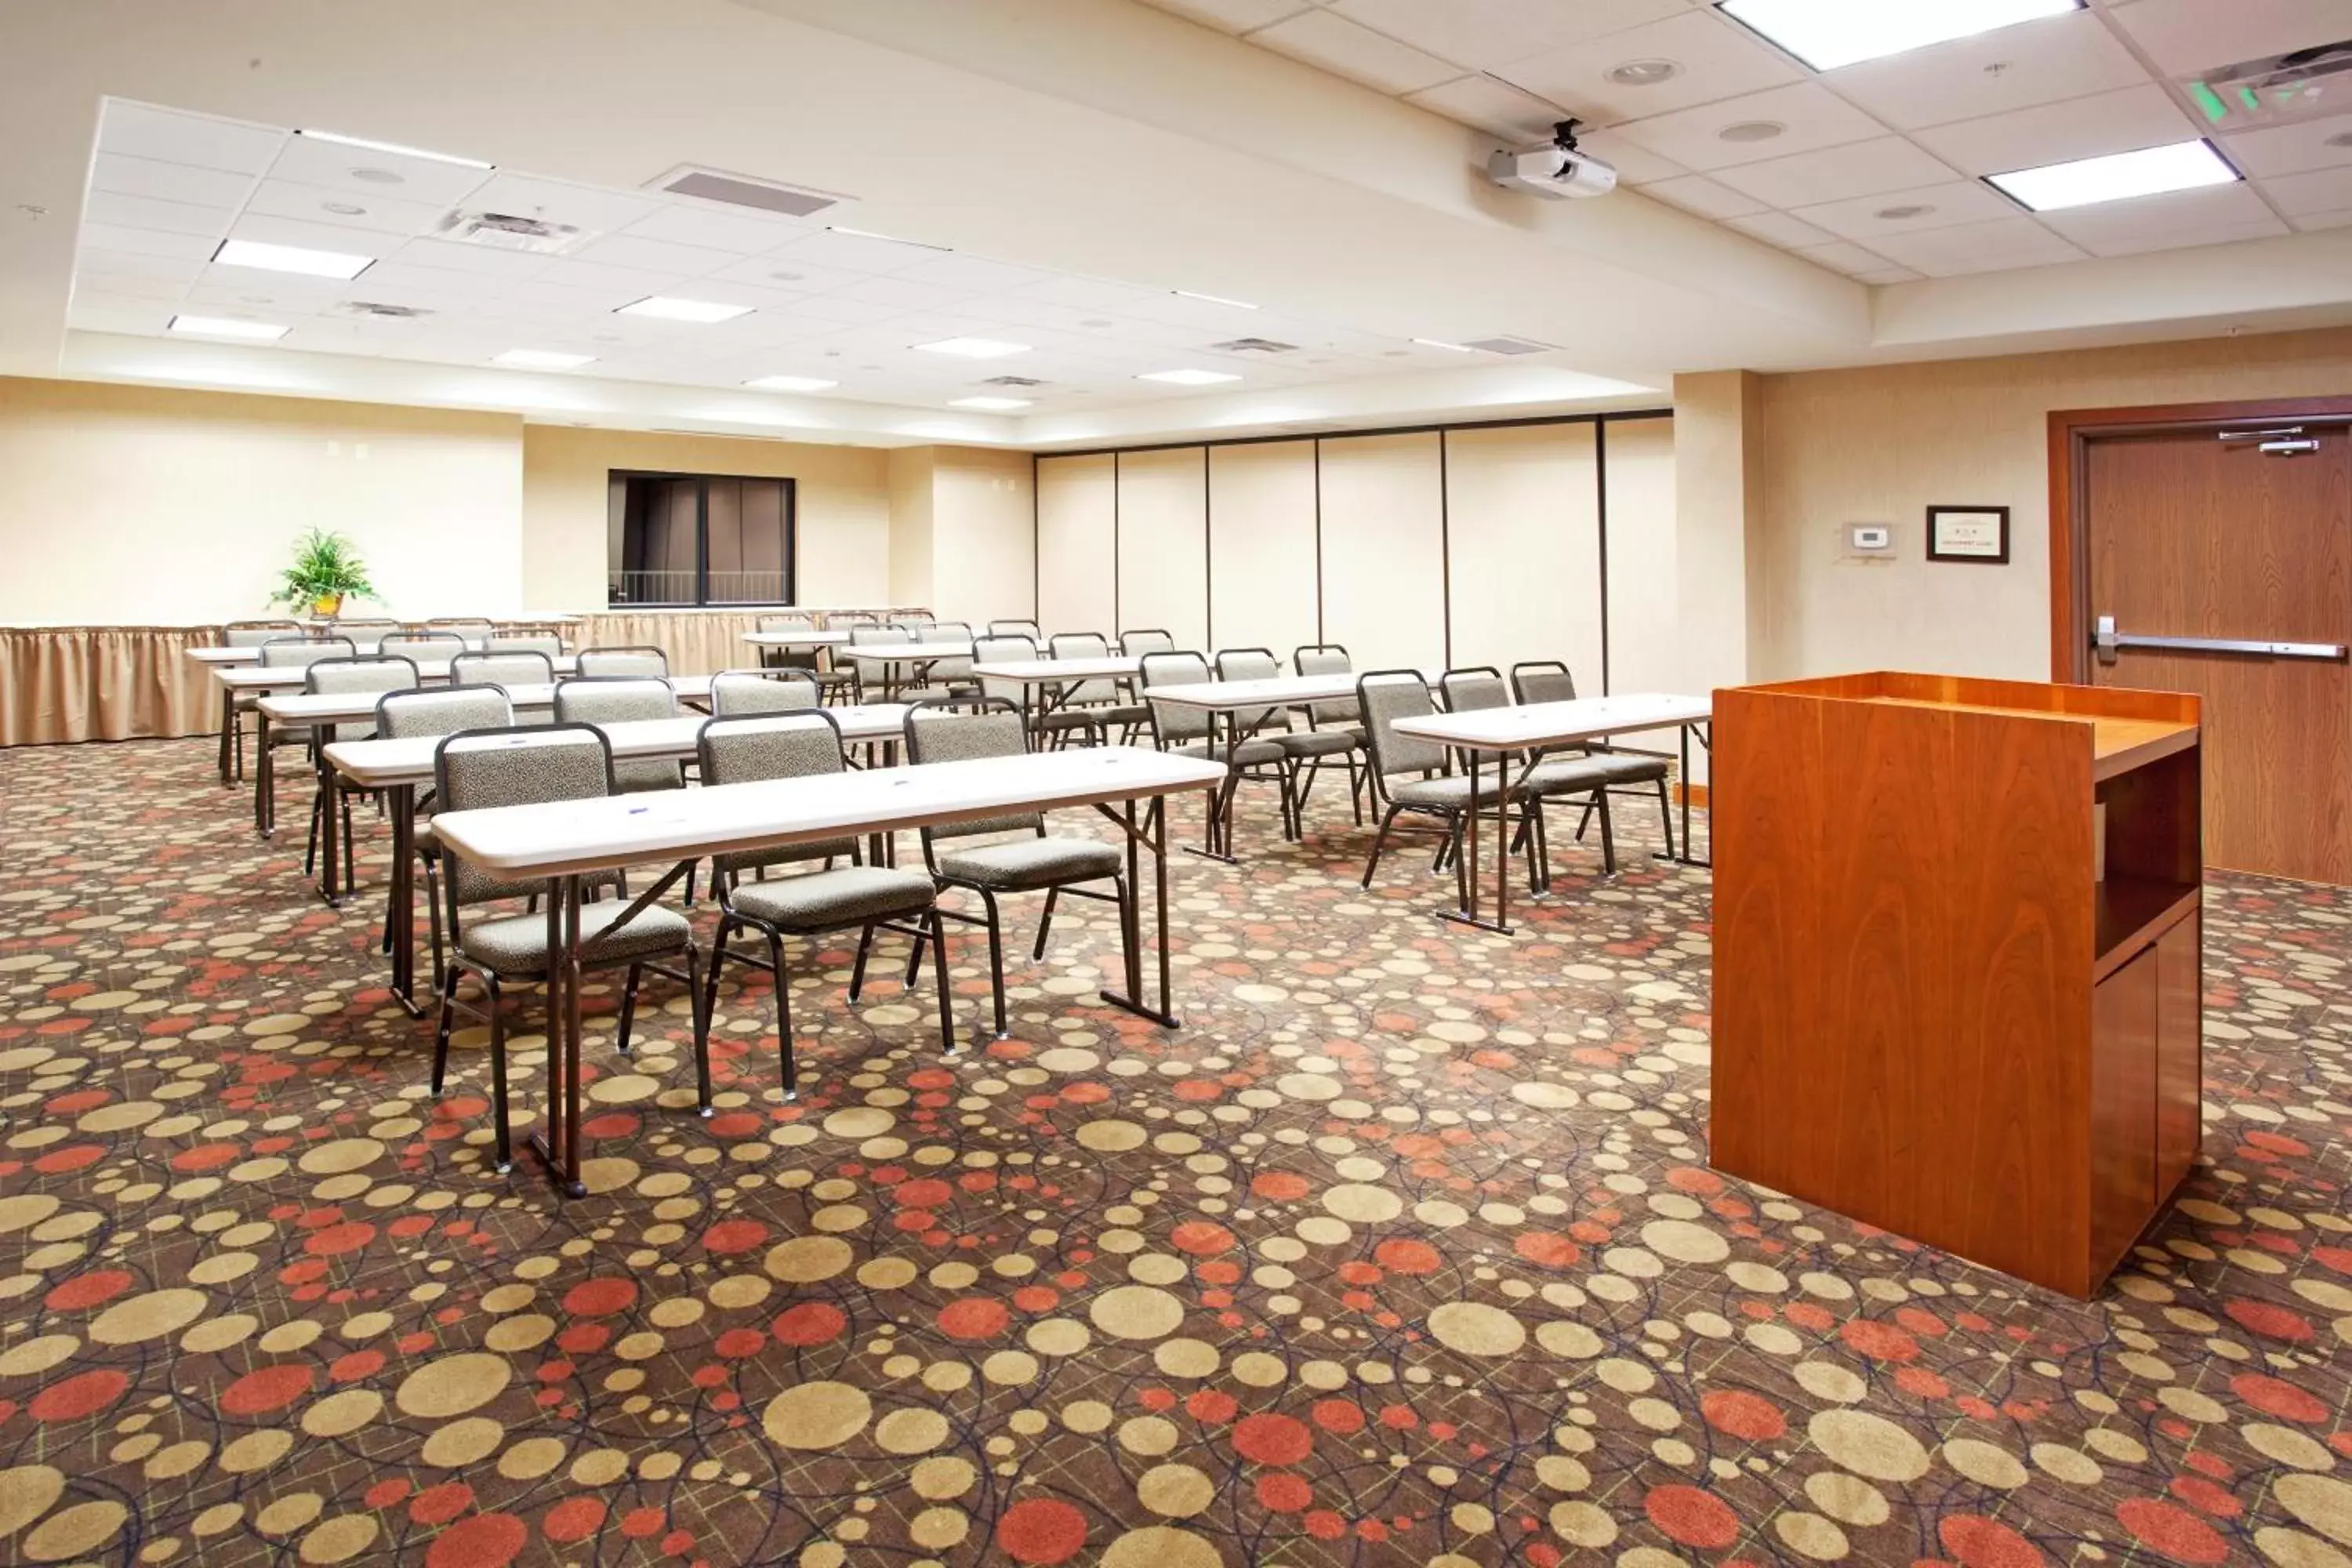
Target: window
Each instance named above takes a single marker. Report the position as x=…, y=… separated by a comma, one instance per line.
x=698, y=539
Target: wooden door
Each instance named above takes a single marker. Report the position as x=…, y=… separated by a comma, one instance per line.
x=2189, y=536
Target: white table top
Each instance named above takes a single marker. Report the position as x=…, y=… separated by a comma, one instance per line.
x=1047, y=671
x=903, y=652
x=1232, y=696
x=292, y=677
x=384, y=764
x=304, y=708
x=815, y=637
x=569, y=836
x=1518, y=727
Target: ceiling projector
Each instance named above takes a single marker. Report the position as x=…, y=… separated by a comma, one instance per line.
x=1557, y=171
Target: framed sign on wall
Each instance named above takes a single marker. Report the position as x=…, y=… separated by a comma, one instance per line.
x=1978, y=534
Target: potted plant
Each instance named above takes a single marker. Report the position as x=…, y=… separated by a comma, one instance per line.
x=326, y=570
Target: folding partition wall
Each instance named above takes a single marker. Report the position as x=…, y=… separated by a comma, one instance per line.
x=1437, y=548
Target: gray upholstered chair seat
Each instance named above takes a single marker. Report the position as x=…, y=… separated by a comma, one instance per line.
x=1574, y=775
x=1319, y=742
x=1062, y=719
x=517, y=944
x=636, y=775
x=1022, y=863
x=1248, y=754
x=1450, y=792
x=1136, y=714
x=826, y=900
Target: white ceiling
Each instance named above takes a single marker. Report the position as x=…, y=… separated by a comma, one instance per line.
x=1859, y=148
x=167, y=187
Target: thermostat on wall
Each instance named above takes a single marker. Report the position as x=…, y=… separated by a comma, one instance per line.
x=1869, y=537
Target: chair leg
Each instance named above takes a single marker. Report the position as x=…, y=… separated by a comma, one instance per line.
x=1378, y=839
x=1358, y=781
x=629, y=1006
x=701, y=1029
x=432, y=912
x=1540, y=850
x=311, y=845
x=498, y=1074
x=1666, y=818
x=939, y=973
x=784, y=1019
x=914, y=964
x=1044, y=925
x=710, y=975
x=1608, y=835
x=351, y=862
x=447, y=987
x=995, y=961
x=858, y=970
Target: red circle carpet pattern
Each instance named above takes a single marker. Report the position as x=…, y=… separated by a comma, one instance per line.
x=1403, y=1251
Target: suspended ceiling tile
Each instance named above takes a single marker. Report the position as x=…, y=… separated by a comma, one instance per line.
x=1493, y=106
x=2089, y=127
x=146, y=212
x=1892, y=212
x=196, y=139
x=1715, y=59
x=1779, y=228
x=1843, y=256
x=334, y=166
x=132, y=176
x=739, y=234
x=1834, y=173
x=1994, y=247
x=310, y=203
x=1635, y=165
x=1485, y=34
x=1232, y=15
x=583, y=207
x=2318, y=191
x=2291, y=149
x=1808, y=116
x=2009, y=69
x=1697, y=193
x=1325, y=38
x=2186, y=37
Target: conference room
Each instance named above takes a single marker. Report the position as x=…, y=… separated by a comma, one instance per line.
x=1168, y=783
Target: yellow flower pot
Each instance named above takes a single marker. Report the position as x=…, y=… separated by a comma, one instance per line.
x=328, y=604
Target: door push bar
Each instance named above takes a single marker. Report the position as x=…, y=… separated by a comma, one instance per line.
x=2106, y=640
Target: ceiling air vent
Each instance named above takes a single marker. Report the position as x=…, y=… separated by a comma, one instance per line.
x=1253, y=346
x=738, y=190
x=1011, y=381
x=1506, y=345
x=505, y=231
x=2277, y=86
x=381, y=313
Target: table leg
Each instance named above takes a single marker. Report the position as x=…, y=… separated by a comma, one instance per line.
x=331, y=869
x=1216, y=826
x=265, y=778
x=1154, y=833
x=402, y=804
x=1465, y=864
x=227, y=735
x=557, y=1144
x=1682, y=855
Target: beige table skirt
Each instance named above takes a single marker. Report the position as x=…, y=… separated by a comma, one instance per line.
x=126, y=683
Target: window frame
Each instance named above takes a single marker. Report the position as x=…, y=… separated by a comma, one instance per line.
x=701, y=600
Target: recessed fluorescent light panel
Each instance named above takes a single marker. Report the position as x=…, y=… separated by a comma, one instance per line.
x=292, y=258
x=1442, y=343
x=990, y=404
x=2151, y=171
x=974, y=348
x=1188, y=377
x=1212, y=300
x=791, y=383
x=1827, y=34
x=541, y=359
x=393, y=147
x=663, y=308
x=224, y=327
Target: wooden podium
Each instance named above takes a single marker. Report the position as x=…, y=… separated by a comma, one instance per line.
x=1942, y=1004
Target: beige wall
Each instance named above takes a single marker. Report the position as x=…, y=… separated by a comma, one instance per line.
x=983, y=536
x=1882, y=445
x=138, y=504
x=843, y=499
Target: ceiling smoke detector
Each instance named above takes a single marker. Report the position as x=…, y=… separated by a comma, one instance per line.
x=505, y=231
x=375, y=311
x=1644, y=73
x=1750, y=130
x=1011, y=381
x=1253, y=346
x=1907, y=210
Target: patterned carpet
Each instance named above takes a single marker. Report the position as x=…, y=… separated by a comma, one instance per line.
x=1403, y=1251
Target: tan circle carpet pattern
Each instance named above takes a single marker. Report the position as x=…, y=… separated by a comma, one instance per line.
x=1404, y=1250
